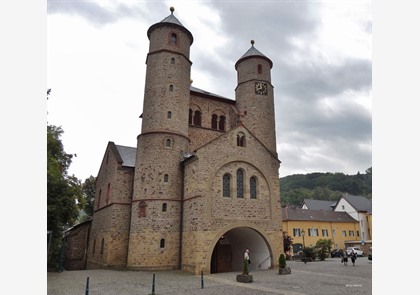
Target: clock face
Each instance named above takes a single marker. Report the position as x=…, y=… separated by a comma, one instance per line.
x=261, y=88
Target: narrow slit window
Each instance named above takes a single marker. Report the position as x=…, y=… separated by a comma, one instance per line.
x=253, y=187
x=168, y=142
x=169, y=115
x=240, y=183
x=259, y=69
x=226, y=185
x=172, y=60
x=166, y=178
x=174, y=39
x=164, y=207
x=162, y=243
x=171, y=88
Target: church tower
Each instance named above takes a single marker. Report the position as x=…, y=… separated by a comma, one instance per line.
x=255, y=96
x=155, y=216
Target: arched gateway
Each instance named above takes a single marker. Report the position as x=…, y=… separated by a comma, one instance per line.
x=228, y=251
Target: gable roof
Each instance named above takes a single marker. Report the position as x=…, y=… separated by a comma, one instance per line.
x=299, y=214
x=360, y=203
x=319, y=204
x=128, y=155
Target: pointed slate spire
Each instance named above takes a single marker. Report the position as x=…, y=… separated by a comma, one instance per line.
x=170, y=20
x=253, y=52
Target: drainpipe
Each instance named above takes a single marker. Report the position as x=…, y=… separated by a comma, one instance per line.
x=181, y=213
x=129, y=218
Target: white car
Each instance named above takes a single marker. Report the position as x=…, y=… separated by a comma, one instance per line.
x=357, y=250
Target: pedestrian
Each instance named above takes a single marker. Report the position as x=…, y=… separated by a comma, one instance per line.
x=345, y=257
x=247, y=262
x=353, y=257
x=246, y=256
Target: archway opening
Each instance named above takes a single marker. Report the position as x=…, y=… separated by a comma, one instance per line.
x=228, y=253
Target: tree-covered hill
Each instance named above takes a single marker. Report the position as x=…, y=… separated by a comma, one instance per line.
x=324, y=186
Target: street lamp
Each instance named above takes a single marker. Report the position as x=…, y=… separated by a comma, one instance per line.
x=303, y=238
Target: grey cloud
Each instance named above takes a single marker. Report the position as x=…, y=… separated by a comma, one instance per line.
x=98, y=15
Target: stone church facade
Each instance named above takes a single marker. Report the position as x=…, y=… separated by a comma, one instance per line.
x=202, y=185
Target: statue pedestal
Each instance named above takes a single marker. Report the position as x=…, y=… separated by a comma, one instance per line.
x=244, y=278
x=285, y=271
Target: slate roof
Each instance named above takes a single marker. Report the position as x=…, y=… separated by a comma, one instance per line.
x=171, y=20
x=319, y=204
x=253, y=52
x=195, y=89
x=128, y=155
x=360, y=203
x=299, y=214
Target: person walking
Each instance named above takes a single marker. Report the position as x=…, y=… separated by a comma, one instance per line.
x=353, y=257
x=345, y=257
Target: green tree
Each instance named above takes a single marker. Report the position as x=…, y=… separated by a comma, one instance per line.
x=323, y=248
x=287, y=243
x=64, y=193
x=88, y=187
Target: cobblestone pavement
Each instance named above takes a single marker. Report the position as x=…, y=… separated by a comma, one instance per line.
x=329, y=277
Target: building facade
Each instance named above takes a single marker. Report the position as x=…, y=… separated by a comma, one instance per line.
x=201, y=186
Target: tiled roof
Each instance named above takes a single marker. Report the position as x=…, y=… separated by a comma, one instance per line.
x=359, y=203
x=319, y=204
x=299, y=214
x=128, y=155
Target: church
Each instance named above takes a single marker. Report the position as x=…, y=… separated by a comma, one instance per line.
x=202, y=184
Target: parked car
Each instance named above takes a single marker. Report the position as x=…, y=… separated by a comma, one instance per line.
x=357, y=250
x=336, y=253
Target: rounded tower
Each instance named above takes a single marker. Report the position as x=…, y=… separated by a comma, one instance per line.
x=155, y=219
x=255, y=96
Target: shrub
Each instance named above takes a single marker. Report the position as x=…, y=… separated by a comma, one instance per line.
x=282, y=261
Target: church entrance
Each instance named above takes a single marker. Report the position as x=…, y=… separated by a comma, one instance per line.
x=227, y=255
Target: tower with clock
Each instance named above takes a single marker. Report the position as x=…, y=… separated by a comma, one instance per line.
x=255, y=95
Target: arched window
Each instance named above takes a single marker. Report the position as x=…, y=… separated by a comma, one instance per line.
x=169, y=114
x=164, y=207
x=259, y=69
x=168, y=142
x=108, y=193
x=214, y=121
x=190, y=121
x=99, y=199
x=226, y=185
x=162, y=243
x=240, y=139
x=166, y=178
x=253, y=187
x=240, y=183
x=171, y=88
x=197, y=118
x=222, y=123
x=172, y=60
x=173, y=39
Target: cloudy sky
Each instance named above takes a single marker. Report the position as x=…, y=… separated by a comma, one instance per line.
x=322, y=74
